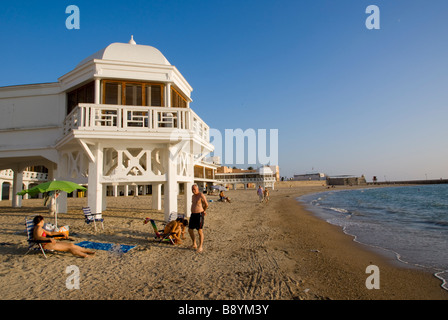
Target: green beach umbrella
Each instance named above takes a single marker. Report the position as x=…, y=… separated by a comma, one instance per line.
x=55, y=185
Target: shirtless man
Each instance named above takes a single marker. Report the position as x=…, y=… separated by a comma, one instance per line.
x=198, y=206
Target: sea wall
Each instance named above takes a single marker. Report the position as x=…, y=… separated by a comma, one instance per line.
x=292, y=184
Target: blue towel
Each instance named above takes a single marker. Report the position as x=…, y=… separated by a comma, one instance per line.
x=119, y=248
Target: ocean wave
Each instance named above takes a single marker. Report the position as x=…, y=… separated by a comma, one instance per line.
x=340, y=210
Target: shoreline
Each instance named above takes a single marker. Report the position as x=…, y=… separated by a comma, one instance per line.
x=394, y=256
x=252, y=251
x=401, y=276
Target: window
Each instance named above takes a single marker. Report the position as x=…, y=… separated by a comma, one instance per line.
x=132, y=93
x=177, y=101
x=112, y=93
x=154, y=95
x=84, y=94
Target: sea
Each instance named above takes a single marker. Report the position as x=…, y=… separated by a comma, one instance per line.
x=410, y=223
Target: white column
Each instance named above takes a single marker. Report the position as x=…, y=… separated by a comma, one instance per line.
x=188, y=195
x=26, y=186
x=97, y=91
x=157, y=196
x=1, y=190
x=61, y=203
x=10, y=192
x=95, y=188
x=115, y=190
x=17, y=187
x=171, y=186
x=168, y=95
x=59, y=172
x=126, y=190
x=104, y=198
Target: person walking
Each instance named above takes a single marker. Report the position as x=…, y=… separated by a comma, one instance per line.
x=198, y=207
x=266, y=195
x=260, y=193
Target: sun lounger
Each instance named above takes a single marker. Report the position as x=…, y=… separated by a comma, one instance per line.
x=30, y=237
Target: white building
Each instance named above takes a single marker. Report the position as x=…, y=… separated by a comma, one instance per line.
x=29, y=179
x=121, y=117
x=264, y=177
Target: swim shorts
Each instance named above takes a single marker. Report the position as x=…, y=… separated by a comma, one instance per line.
x=196, y=221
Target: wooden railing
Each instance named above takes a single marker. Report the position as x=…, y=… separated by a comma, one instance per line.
x=101, y=117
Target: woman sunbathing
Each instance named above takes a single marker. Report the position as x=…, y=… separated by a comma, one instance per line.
x=40, y=234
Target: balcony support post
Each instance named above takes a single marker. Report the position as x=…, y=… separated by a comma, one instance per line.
x=17, y=187
x=157, y=196
x=95, y=189
x=97, y=91
x=171, y=185
x=188, y=197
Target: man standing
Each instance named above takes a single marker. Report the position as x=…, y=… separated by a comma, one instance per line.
x=198, y=206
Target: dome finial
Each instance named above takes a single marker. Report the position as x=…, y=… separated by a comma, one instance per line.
x=132, y=40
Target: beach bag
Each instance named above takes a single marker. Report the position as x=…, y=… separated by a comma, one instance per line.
x=52, y=228
x=64, y=230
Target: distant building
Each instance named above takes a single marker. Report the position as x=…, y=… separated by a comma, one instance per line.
x=263, y=176
x=309, y=177
x=346, y=180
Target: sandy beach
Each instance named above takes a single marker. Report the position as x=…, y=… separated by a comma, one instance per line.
x=252, y=251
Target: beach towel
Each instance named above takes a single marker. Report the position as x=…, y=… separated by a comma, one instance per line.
x=121, y=248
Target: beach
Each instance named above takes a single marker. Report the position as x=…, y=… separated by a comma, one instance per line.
x=252, y=251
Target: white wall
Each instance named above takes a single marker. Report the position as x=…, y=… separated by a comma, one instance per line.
x=31, y=116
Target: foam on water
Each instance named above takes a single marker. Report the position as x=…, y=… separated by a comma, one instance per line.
x=409, y=222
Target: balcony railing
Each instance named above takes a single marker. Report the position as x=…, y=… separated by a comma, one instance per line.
x=105, y=117
x=27, y=175
x=261, y=178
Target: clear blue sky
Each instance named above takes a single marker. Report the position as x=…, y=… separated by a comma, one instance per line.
x=345, y=99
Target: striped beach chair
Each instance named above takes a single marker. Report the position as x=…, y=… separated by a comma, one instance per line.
x=30, y=238
x=159, y=235
x=93, y=217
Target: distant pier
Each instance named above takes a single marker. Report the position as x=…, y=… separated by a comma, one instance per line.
x=415, y=182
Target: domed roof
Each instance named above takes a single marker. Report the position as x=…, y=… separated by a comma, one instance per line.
x=265, y=170
x=129, y=52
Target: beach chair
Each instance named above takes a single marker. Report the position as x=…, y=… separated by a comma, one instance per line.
x=93, y=217
x=160, y=236
x=30, y=238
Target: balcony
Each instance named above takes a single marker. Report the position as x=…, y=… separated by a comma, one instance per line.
x=225, y=178
x=120, y=118
x=27, y=175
